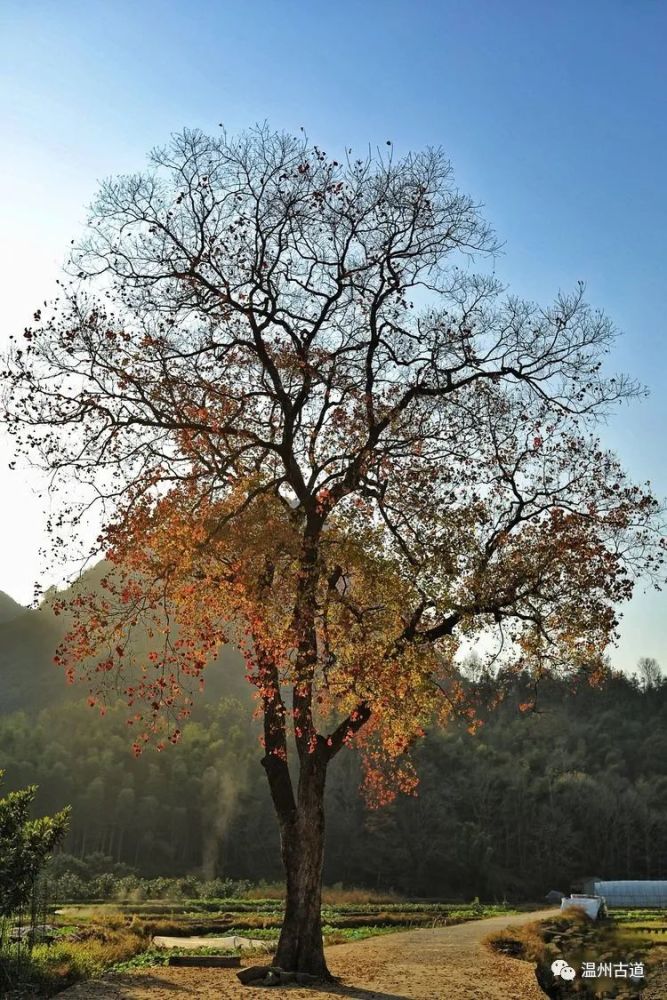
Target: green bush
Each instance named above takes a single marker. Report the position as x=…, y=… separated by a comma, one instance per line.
x=25, y=845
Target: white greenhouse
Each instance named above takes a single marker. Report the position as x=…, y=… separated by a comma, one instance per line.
x=647, y=893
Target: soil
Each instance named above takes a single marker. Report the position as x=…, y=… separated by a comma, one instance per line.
x=447, y=962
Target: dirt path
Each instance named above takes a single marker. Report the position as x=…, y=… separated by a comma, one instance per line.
x=448, y=963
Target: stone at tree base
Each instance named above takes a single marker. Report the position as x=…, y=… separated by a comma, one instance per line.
x=253, y=973
x=305, y=979
x=272, y=975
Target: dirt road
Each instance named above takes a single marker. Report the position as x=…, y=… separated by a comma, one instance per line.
x=448, y=963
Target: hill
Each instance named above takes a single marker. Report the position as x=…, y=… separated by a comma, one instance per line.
x=534, y=800
x=30, y=681
x=9, y=608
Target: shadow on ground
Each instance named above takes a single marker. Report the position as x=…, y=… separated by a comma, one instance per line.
x=355, y=992
x=120, y=987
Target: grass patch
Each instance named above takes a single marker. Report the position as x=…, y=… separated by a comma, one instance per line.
x=525, y=942
x=333, y=895
x=76, y=954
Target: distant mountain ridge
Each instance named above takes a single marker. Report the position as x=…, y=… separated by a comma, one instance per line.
x=30, y=681
x=9, y=608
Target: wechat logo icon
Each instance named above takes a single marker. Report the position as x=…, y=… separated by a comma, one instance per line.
x=562, y=969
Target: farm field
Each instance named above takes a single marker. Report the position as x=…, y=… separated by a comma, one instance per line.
x=425, y=964
x=92, y=938
x=112, y=942
x=213, y=916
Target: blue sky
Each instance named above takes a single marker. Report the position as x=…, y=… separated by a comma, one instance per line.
x=554, y=116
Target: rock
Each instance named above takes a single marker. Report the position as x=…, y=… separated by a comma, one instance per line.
x=253, y=973
x=274, y=977
x=305, y=979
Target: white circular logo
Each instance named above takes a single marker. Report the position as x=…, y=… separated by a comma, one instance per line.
x=562, y=969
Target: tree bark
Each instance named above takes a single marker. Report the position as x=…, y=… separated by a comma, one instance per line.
x=300, y=947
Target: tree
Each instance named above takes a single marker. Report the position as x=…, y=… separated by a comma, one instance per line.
x=649, y=670
x=316, y=436
x=24, y=847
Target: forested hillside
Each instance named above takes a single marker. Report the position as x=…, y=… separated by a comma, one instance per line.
x=533, y=801
x=30, y=680
x=9, y=608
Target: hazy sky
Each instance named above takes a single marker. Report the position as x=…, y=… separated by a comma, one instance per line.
x=554, y=115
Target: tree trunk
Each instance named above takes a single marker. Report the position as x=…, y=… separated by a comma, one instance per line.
x=300, y=948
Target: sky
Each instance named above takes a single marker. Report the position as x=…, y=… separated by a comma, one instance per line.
x=554, y=116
